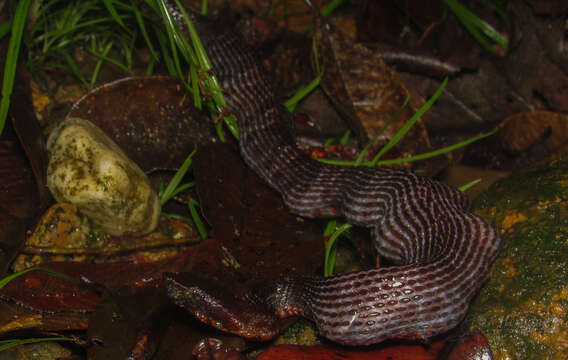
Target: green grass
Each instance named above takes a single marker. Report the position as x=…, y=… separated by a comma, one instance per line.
x=108, y=30
x=10, y=343
x=173, y=188
x=482, y=32
x=334, y=231
x=17, y=28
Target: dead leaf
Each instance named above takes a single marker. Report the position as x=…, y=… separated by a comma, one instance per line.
x=367, y=92
x=523, y=130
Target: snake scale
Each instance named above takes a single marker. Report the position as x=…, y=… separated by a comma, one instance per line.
x=442, y=251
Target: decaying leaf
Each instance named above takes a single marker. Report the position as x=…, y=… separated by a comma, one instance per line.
x=520, y=131
x=366, y=91
x=63, y=233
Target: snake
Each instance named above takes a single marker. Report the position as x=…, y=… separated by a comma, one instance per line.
x=440, y=250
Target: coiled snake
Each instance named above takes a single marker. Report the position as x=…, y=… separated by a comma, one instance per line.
x=443, y=252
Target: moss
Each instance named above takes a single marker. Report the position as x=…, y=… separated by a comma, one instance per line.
x=522, y=309
x=302, y=332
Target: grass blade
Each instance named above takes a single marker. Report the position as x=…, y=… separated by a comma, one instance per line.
x=170, y=190
x=144, y=31
x=331, y=249
x=10, y=343
x=18, y=24
x=302, y=92
x=465, y=187
x=4, y=281
x=192, y=205
x=435, y=152
x=5, y=28
x=114, y=14
x=400, y=134
x=477, y=27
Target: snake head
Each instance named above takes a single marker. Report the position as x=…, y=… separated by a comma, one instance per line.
x=212, y=304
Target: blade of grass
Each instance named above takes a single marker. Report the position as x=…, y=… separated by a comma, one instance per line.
x=102, y=58
x=476, y=26
x=435, y=152
x=192, y=205
x=199, y=58
x=5, y=28
x=144, y=31
x=170, y=190
x=302, y=92
x=465, y=187
x=10, y=343
x=166, y=56
x=345, y=138
x=18, y=24
x=330, y=227
x=400, y=134
x=99, y=64
x=392, y=119
x=331, y=249
x=411, y=158
x=114, y=14
x=330, y=8
x=4, y=281
x=74, y=68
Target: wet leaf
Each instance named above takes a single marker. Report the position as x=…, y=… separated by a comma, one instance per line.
x=47, y=350
x=20, y=200
x=521, y=131
x=15, y=318
x=257, y=238
x=397, y=352
x=130, y=310
x=45, y=293
x=64, y=232
x=150, y=118
x=367, y=91
x=30, y=135
x=40, y=301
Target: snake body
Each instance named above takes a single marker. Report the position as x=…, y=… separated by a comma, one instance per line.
x=442, y=251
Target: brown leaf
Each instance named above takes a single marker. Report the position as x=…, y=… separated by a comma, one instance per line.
x=20, y=200
x=470, y=347
x=367, y=92
x=115, y=323
x=523, y=130
x=30, y=134
x=42, y=292
x=45, y=293
x=64, y=231
x=152, y=119
x=257, y=237
x=17, y=318
x=396, y=352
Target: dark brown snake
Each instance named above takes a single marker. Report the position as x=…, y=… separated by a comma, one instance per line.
x=443, y=251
